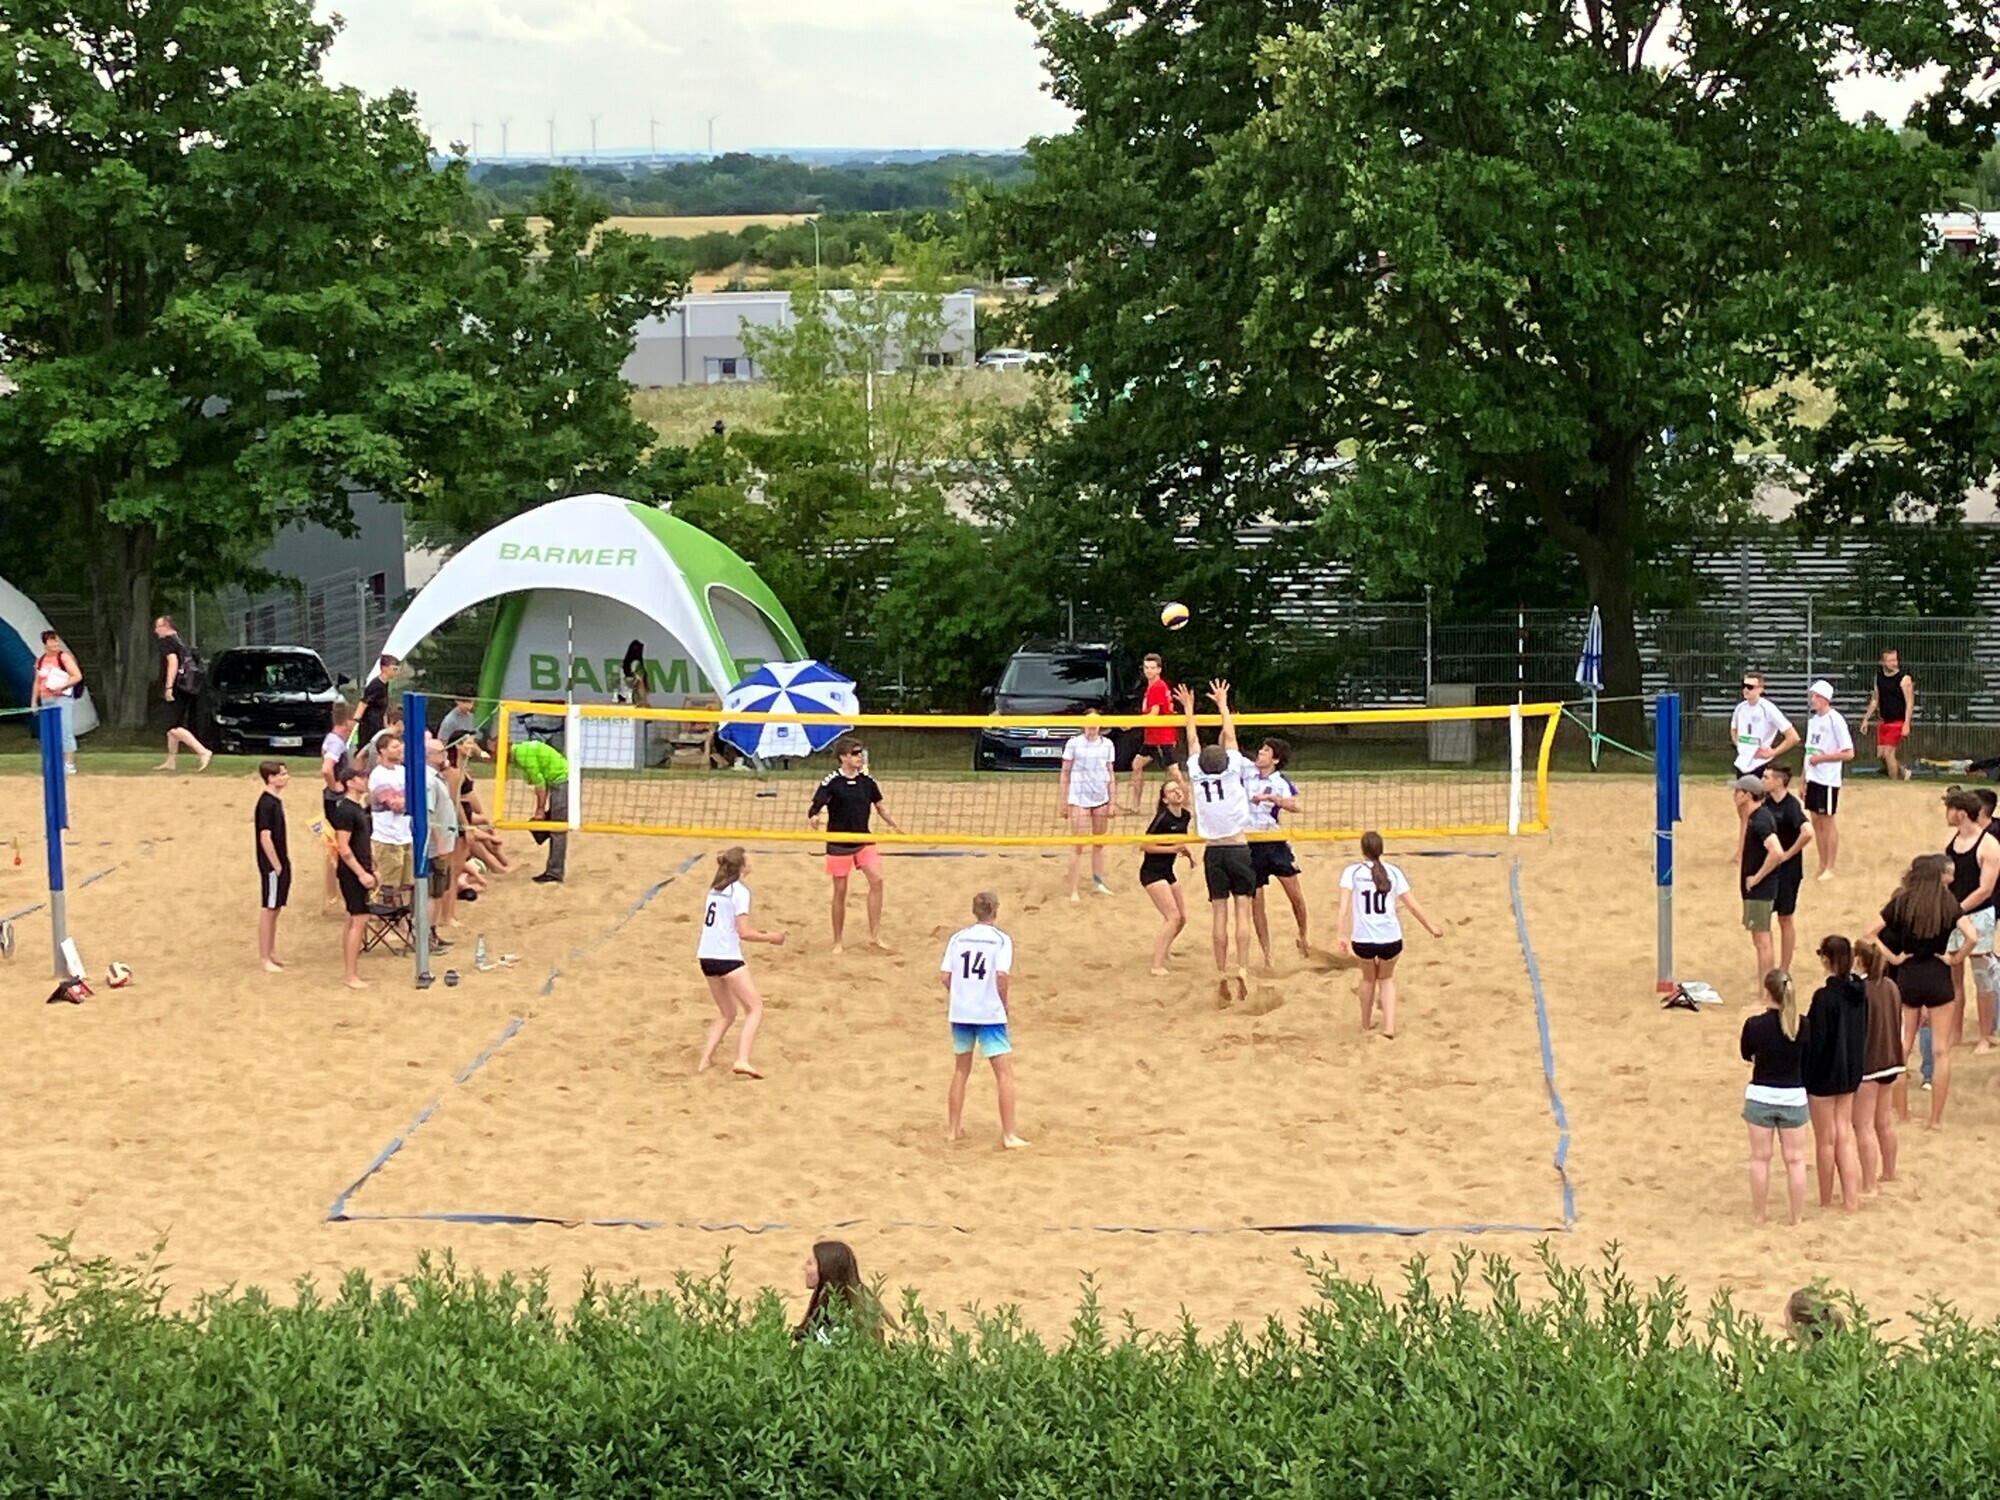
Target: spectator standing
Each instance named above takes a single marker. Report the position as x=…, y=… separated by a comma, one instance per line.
x=1975, y=875
x=354, y=850
x=180, y=691
x=1829, y=747
x=274, y=861
x=375, y=700
x=1762, y=853
x=1892, y=705
x=56, y=677
x=1758, y=728
x=442, y=805
x=1794, y=833
x=390, y=823
x=461, y=724
x=547, y=773
x=334, y=763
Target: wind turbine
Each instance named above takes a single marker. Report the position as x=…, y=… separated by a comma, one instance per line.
x=593, y=136
x=711, y=130
x=475, y=140
x=505, y=121
x=552, y=140
x=655, y=127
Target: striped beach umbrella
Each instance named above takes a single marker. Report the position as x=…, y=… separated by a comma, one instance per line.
x=1590, y=665
x=788, y=687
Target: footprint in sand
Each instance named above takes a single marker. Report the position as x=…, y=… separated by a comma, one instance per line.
x=1263, y=999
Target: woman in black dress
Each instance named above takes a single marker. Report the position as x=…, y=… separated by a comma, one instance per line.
x=1836, y=1033
x=1914, y=930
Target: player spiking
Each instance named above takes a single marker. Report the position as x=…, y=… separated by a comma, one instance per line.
x=1272, y=792
x=1218, y=774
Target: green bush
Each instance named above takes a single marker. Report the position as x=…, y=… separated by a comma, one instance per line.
x=449, y=1385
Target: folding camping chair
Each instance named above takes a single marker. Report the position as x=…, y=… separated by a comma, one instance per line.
x=390, y=928
x=694, y=738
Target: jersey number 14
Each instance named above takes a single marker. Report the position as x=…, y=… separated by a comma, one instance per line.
x=972, y=965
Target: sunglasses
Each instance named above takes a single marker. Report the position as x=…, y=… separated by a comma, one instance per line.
x=1752, y=687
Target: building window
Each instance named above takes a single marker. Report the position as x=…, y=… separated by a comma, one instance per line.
x=941, y=359
x=724, y=368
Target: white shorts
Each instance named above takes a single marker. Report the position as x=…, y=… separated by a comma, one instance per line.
x=1982, y=928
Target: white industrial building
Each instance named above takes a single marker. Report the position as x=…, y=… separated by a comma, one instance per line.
x=700, y=341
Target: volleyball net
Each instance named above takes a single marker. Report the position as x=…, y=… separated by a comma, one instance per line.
x=993, y=780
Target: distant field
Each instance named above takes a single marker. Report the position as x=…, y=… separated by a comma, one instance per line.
x=687, y=226
x=683, y=414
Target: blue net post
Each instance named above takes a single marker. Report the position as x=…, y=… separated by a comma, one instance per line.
x=416, y=799
x=55, y=818
x=1666, y=813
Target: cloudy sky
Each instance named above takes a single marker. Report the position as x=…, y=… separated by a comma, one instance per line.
x=888, y=73
x=896, y=74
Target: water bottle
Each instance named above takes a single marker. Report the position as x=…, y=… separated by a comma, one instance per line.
x=479, y=952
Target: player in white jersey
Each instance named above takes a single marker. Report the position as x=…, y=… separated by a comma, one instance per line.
x=1216, y=775
x=1829, y=747
x=1273, y=793
x=725, y=928
x=1083, y=797
x=1371, y=931
x=977, y=962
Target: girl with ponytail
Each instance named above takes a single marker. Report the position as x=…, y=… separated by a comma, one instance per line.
x=1371, y=894
x=1774, y=1104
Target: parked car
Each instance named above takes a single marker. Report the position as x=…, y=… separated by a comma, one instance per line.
x=1062, y=681
x=272, y=698
x=1011, y=359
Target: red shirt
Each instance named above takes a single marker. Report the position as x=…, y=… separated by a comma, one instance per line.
x=1159, y=701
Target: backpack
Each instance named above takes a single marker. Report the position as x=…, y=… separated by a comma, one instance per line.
x=192, y=672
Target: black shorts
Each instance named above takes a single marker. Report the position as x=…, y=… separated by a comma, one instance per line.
x=1154, y=755
x=1273, y=859
x=715, y=968
x=179, y=714
x=1378, y=951
x=1157, y=868
x=439, y=878
x=353, y=893
x=1822, y=799
x=274, y=888
x=1785, y=888
x=1229, y=871
x=1923, y=983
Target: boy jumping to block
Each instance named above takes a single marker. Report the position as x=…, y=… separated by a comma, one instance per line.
x=974, y=973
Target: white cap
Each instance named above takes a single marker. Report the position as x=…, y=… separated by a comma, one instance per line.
x=1822, y=689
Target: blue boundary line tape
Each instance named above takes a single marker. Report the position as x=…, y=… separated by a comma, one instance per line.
x=1548, y=1051
x=90, y=879
x=337, y=1212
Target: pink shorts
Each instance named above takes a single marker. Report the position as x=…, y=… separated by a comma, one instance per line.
x=840, y=866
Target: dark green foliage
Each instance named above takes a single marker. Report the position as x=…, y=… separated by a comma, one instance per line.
x=738, y=183
x=448, y=1385
x=1532, y=265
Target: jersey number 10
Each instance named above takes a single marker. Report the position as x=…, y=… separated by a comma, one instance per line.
x=1375, y=903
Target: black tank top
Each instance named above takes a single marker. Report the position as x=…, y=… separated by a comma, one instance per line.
x=1965, y=872
x=1890, y=703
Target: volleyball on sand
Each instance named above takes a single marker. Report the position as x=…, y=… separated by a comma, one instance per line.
x=1174, y=615
x=118, y=976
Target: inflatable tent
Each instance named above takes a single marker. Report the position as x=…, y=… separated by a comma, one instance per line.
x=590, y=575
x=21, y=627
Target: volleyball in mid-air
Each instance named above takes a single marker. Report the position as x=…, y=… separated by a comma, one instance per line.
x=118, y=976
x=1174, y=615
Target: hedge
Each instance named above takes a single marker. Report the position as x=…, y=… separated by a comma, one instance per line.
x=447, y=1384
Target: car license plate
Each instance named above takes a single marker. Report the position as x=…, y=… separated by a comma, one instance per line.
x=1041, y=752
x=287, y=742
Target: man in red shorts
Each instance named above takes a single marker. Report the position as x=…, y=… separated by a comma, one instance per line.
x=845, y=799
x=1156, y=744
x=1892, y=705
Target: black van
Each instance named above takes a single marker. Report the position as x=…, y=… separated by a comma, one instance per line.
x=274, y=698
x=1062, y=682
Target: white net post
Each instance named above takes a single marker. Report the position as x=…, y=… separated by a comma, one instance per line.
x=1514, y=771
x=573, y=754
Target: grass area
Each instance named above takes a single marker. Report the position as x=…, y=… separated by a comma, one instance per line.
x=687, y=413
x=684, y=226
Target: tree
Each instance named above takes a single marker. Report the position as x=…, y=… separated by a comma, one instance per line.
x=1538, y=264
x=230, y=294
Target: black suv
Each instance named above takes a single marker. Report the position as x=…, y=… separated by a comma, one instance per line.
x=1060, y=681
x=269, y=698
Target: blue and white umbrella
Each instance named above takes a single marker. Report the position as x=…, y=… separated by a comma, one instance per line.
x=788, y=687
x=1590, y=665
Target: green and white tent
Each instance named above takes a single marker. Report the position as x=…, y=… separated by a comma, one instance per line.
x=592, y=574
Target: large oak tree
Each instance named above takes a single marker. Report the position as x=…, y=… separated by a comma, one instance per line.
x=230, y=293
x=1525, y=264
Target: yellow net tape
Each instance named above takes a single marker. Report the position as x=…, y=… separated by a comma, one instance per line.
x=970, y=780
